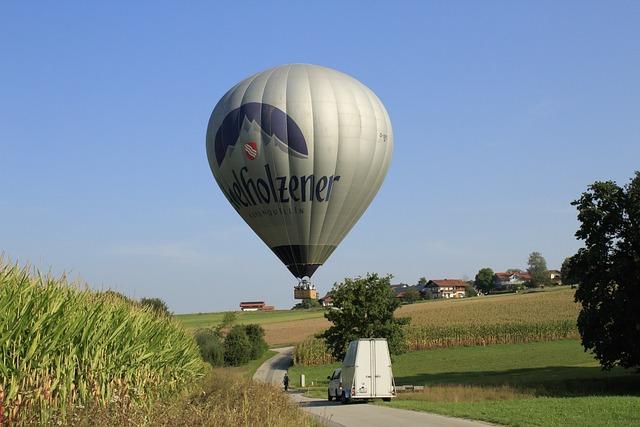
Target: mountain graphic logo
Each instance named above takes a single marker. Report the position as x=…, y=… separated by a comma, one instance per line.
x=272, y=121
x=250, y=150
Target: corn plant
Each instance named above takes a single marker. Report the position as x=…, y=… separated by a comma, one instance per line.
x=312, y=351
x=427, y=337
x=62, y=346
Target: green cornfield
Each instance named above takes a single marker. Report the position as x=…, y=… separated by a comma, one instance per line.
x=63, y=347
x=509, y=319
x=427, y=337
x=312, y=351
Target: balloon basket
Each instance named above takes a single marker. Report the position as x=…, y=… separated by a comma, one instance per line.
x=305, y=294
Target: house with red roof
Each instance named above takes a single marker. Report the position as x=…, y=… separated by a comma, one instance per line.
x=255, y=306
x=327, y=300
x=511, y=280
x=445, y=288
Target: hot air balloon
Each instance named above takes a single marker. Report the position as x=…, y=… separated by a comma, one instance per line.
x=300, y=151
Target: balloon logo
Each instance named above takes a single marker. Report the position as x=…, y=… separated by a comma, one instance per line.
x=300, y=151
x=251, y=150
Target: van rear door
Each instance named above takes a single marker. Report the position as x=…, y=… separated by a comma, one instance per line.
x=364, y=377
x=382, y=378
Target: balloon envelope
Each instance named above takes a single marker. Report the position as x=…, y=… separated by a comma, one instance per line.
x=300, y=151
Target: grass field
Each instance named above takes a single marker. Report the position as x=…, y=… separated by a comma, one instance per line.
x=618, y=411
x=209, y=320
x=533, y=384
x=281, y=327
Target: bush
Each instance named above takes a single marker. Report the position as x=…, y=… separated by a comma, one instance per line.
x=237, y=348
x=156, y=305
x=211, y=348
x=470, y=291
x=306, y=304
x=255, y=333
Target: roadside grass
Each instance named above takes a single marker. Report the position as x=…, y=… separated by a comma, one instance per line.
x=222, y=398
x=611, y=411
x=532, y=384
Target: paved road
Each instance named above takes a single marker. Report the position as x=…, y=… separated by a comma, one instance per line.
x=354, y=414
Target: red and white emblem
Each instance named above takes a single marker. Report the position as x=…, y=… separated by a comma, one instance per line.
x=251, y=150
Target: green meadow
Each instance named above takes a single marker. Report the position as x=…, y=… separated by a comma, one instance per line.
x=209, y=320
x=533, y=384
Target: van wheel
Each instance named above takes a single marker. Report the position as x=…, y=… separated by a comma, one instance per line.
x=329, y=397
x=386, y=399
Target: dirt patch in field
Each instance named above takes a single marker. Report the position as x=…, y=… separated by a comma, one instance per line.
x=293, y=332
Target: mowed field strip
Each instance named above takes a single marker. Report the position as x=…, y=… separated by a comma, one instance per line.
x=292, y=326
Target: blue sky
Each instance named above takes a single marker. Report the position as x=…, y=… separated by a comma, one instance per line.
x=503, y=113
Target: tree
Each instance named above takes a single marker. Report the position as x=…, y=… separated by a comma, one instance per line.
x=422, y=281
x=607, y=269
x=565, y=271
x=411, y=295
x=258, y=345
x=484, y=280
x=228, y=319
x=538, y=270
x=156, y=305
x=306, y=304
x=363, y=308
x=513, y=270
x=237, y=348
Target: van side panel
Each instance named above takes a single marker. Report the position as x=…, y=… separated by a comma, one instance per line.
x=349, y=367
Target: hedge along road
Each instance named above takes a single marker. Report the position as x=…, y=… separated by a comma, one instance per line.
x=335, y=414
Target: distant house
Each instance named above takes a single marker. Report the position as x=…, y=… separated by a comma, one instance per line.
x=555, y=276
x=255, y=306
x=505, y=280
x=400, y=289
x=445, y=288
x=327, y=300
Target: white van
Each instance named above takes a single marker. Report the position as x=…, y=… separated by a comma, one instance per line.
x=365, y=373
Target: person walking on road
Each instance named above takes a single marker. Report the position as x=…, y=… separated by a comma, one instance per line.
x=285, y=381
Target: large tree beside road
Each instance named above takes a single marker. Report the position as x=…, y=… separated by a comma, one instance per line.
x=363, y=308
x=607, y=270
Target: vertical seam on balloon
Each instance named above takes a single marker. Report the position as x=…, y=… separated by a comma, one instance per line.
x=366, y=194
x=310, y=244
x=337, y=104
x=349, y=211
x=242, y=102
x=222, y=176
x=300, y=228
x=335, y=165
x=382, y=171
x=286, y=125
x=275, y=167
